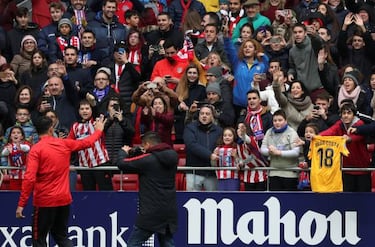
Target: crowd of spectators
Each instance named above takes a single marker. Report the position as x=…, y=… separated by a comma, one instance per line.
x=186, y=69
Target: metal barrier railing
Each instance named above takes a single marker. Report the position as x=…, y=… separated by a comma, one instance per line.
x=193, y=169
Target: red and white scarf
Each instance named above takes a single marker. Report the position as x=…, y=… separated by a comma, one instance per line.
x=62, y=43
x=254, y=120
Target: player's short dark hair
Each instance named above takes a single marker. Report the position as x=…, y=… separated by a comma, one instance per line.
x=42, y=125
x=151, y=137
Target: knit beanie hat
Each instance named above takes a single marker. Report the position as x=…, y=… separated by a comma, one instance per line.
x=65, y=21
x=213, y=87
x=28, y=37
x=105, y=70
x=215, y=71
x=351, y=75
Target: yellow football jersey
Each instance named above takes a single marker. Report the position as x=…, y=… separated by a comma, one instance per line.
x=326, y=158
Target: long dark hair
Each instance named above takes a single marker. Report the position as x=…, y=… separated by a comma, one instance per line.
x=44, y=65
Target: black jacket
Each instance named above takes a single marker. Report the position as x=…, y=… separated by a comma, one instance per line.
x=200, y=141
x=157, y=192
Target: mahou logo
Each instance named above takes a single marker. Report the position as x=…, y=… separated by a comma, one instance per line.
x=264, y=227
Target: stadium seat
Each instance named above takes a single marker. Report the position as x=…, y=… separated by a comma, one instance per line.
x=180, y=149
x=130, y=182
x=5, y=182
x=180, y=176
x=79, y=186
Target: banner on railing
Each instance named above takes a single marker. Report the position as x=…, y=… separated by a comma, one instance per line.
x=213, y=219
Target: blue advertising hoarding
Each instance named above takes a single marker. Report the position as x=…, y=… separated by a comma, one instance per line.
x=214, y=219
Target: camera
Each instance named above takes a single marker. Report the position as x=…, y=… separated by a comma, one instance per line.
x=116, y=107
x=156, y=48
x=151, y=85
x=47, y=99
x=316, y=107
x=121, y=50
x=63, y=132
x=136, y=151
x=283, y=12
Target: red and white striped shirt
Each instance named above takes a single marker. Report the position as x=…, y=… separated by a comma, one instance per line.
x=249, y=155
x=95, y=155
x=226, y=159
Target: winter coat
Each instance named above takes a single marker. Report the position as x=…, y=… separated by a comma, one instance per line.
x=200, y=141
x=107, y=35
x=295, y=110
x=117, y=134
x=157, y=192
x=358, y=157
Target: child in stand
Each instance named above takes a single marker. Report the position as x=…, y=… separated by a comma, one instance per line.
x=15, y=150
x=65, y=37
x=250, y=156
x=311, y=130
x=23, y=119
x=94, y=156
x=226, y=153
x=279, y=144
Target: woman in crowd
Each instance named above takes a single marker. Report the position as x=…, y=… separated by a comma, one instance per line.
x=249, y=60
x=21, y=62
x=350, y=89
x=158, y=118
x=295, y=103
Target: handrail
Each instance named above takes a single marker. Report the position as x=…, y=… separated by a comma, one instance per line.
x=208, y=168
x=192, y=168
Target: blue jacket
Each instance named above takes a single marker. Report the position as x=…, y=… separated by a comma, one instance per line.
x=107, y=35
x=47, y=37
x=200, y=142
x=176, y=11
x=242, y=73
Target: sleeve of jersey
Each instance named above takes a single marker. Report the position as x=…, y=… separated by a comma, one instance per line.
x=76, y=145
x=30, y=177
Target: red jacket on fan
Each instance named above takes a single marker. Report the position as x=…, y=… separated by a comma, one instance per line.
x=48, y=170
x=358, y=154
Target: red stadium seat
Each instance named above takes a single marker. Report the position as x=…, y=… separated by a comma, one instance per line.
x=79, y=186
x=5, y=182
x=180, y=149
x=180, y=176
x=130, y=182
